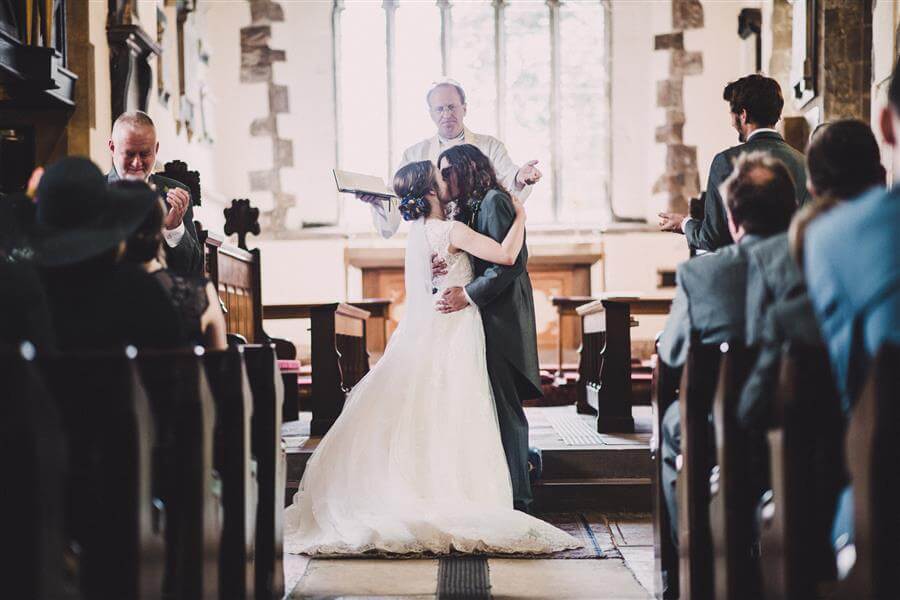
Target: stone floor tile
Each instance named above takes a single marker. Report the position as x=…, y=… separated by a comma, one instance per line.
x=513, y=579
x=372, y=578
x=641, y=562
x=294, y=568
x=632, y=530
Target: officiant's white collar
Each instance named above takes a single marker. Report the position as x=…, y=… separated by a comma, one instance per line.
x=434, y=146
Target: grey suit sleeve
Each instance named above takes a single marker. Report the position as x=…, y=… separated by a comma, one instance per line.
x=712, y=232
x=676, y=337
x=186, y=257
x=758, y=300
x=498, y=214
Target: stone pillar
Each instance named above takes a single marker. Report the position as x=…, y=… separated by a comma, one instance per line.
x=681, y=180
x=845, y=36
x=257, y=59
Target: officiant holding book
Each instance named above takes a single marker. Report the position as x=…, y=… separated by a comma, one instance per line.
x=446, y=101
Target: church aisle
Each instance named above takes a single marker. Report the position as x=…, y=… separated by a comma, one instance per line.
x=626, y=572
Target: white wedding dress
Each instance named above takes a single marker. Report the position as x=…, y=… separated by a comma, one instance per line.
x=414, y=463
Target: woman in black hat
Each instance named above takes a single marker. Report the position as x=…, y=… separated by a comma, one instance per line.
x=96, y=302
x=194, y=297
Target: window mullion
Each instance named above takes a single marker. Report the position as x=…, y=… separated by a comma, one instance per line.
x=555, y=106
x=446, y=36
x=500, y=64
x=390, y=13
x=336, y=11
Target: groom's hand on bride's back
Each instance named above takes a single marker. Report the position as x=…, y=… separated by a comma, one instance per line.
x=438, y=266
x=452, y=300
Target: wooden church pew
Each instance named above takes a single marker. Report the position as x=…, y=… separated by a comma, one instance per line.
x=33, y=462
x=697, y=390
x=873, y=453
x=237, y=276
x=232, y=460
x=339, y=356
x=664, y=392
x=605, y=369
x=734, y=482
x=185, y=480
x=110, y=434
x=805, y=454
x=268, y=396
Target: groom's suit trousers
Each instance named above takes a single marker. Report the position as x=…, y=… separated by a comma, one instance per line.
x=513, y=425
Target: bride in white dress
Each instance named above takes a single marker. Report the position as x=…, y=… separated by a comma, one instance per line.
x=414, y=463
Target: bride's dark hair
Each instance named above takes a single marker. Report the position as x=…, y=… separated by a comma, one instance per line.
x=475, y=177
x=412, y=183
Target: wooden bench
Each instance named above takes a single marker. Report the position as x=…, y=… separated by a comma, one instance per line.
x=236, y=275
x=184, y=478
x=109, y=432
x=734, y=483
x=33, y=461
x=339, y=357
x=232, y=460
x=663, y=393
x=873, y=453
x=268, y=396
x=566, y=313
x=605, y=365
x=697, y=390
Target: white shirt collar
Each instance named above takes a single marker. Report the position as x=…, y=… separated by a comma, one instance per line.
x=760, y=130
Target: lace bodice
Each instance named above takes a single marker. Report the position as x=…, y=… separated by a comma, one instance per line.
x=459, y=267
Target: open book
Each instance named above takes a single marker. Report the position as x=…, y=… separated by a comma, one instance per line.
x=358, y=183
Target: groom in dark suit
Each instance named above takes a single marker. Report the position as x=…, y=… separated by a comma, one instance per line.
x=504, y=296
x=133, y=146
x=755, y=104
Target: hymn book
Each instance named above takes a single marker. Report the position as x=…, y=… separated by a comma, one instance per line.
x=358, y=183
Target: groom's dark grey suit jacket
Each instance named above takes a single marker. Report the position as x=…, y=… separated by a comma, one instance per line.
x=504, y=296
x=186, y=258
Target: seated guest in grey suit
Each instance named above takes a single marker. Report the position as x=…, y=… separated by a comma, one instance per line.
x=843, y=161
x=133, y=146
x=711, y=289
x=852, y=268
x=755, y=103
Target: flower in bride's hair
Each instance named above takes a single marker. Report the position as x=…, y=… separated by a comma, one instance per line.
x=412, y=207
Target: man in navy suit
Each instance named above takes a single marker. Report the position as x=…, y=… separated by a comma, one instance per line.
x=852, y=266
x=755, y=104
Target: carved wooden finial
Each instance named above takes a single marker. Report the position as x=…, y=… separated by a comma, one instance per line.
x=241, y=219
x=178, y=170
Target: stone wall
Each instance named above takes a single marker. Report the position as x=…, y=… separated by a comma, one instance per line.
x=257, y=66
x=681, y=180
x=845, y=48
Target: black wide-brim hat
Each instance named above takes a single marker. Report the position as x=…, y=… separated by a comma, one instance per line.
x=80, y=217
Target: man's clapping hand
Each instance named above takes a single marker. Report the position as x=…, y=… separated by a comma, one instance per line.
x=178, y=200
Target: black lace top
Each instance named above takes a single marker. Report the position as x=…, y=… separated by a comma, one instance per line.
x=188, y=294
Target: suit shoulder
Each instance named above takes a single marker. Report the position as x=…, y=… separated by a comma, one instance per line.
x=495, y=199
x=770, y=248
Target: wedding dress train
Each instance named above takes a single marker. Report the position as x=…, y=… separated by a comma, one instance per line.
x=414, y=463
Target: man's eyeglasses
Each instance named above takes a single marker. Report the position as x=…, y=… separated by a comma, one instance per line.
x=446, y=172
x=450, y=108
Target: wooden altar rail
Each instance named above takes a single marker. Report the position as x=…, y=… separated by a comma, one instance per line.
x=339, y=356
x=605, y=366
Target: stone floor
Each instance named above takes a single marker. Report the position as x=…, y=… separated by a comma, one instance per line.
x=630, y=576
